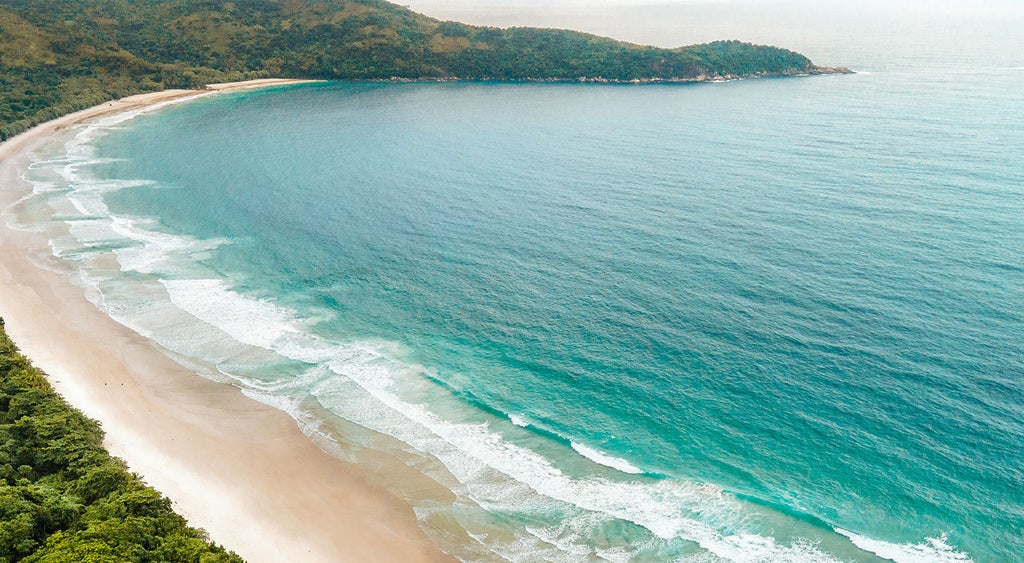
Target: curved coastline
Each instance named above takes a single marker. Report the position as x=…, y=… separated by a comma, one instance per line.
x=240, y=469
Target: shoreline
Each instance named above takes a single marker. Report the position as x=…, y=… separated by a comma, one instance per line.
x=239, y=469
x=699, y=79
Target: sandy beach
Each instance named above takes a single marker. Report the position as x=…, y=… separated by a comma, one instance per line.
x=235, y=467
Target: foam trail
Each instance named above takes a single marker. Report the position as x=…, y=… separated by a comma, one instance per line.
x=250, y=321
x=931, y=550
x=605, y=459
x=157, y=250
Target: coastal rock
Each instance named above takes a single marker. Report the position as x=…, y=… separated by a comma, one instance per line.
x=830, y=70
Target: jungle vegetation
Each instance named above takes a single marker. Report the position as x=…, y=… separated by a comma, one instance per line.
x=63, y=498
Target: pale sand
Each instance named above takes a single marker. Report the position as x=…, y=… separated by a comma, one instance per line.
x=240, y=469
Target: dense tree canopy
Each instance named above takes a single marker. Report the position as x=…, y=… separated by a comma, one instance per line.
x=57, y=56
x=63, y=498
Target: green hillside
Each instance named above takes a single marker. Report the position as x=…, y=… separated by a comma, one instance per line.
x=58, y=56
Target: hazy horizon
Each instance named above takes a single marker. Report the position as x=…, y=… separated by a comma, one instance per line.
x=828, y=32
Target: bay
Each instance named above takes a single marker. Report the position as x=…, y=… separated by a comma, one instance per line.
x=755, y=320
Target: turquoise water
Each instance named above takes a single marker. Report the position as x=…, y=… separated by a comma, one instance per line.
x=757, y=320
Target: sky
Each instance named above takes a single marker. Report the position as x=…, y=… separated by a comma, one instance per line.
x=828, y=31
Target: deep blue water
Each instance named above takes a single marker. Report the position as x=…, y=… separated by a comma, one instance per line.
x=756, y=320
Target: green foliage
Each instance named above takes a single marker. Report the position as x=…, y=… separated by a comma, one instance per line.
x=58, y=56
x=63, y=498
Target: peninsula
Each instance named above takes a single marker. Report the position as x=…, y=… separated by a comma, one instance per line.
x=59, y=56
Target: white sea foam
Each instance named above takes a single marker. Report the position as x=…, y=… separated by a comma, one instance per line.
x=155, y=252
x=521, y=548
x=605, y=459
x=931, y=550
x=78, y=200
x=251, y=321
x=518, y=420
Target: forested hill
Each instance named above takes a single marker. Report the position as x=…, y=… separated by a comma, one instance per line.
x=61, y=55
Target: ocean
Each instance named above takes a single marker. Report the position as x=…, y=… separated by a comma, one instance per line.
x=759, y=320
